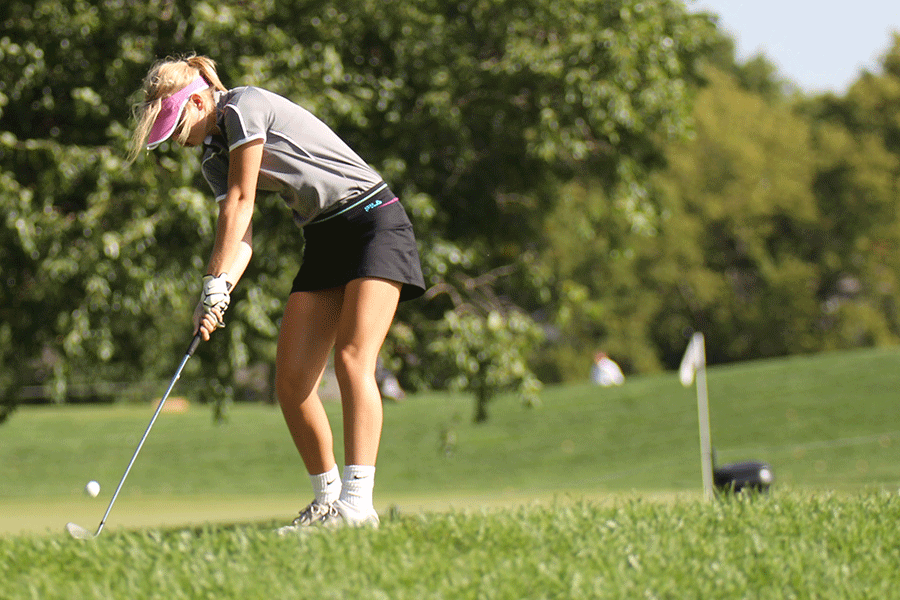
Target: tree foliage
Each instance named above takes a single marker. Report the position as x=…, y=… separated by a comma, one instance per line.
x=580, y=172
x=473, y=110
x=774, y=233
x=781, y=226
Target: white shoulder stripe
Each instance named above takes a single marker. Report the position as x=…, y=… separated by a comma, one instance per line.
x=286, y=138
x=239, y=115
x=247, y=140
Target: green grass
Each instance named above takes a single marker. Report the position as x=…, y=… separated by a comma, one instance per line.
x=595, y=494
x=784, y=546
x=829, y=421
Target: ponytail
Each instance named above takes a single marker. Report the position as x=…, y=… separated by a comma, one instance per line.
x=164, y=79
x=206, y=68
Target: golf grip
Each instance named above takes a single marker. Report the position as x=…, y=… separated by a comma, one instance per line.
x=194, y=343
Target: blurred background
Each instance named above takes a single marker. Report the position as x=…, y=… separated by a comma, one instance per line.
x=582, y=176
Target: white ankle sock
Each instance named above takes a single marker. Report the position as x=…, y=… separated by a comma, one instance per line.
x=327, y=486
x=357, y=487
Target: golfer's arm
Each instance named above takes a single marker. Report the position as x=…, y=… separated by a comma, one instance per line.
x=242, y=259
x=234, y=234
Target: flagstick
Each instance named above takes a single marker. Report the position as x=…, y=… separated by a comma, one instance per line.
x=703, y=419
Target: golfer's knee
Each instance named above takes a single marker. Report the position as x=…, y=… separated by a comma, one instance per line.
x=352, y=366
x=292, y=386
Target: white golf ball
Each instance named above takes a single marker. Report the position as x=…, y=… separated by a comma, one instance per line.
x=92, y=489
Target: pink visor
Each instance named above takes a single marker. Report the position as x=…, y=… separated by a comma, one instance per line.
x=170, y=112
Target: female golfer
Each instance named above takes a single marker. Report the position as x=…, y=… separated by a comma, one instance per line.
x=359, y=261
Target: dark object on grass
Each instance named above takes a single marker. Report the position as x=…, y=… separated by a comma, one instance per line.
x=736, y=477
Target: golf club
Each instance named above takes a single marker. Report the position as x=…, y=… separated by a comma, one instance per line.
x=80, y=533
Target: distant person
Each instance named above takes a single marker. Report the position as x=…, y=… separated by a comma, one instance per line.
x=359, y=261
x=605, y=371
x=388, y=383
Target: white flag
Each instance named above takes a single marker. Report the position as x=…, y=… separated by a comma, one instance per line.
x=694, y=358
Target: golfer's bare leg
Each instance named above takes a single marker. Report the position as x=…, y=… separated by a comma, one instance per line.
x=366, y=315
x=304, y=343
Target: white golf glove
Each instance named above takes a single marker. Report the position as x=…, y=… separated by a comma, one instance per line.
x=216, y=295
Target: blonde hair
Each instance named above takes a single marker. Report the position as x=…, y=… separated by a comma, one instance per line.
x=164, y=79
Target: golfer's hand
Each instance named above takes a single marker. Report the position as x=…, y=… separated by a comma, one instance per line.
x=216, y=295
x=206, y=322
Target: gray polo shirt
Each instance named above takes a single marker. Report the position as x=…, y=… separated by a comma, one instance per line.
x=303, y=160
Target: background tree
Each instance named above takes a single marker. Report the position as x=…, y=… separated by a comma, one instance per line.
x=771, y=235
x=473, y=110
x=480, y=110
x=744, y=182
x=791, y=217
x=857, y=138
x=98, y=260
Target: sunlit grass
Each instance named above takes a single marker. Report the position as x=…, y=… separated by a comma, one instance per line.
x=781, y=546
x=596, y=494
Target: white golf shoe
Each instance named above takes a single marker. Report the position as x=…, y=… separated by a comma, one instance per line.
x=314, y=515
x=352, y=516
x=336, y=514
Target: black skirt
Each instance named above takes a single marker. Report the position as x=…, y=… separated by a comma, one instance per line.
x=368, y=237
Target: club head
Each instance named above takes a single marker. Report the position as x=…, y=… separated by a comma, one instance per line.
x=78, y=532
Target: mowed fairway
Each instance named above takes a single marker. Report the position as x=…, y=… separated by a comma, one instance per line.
x=790, y=547
x=594, y=494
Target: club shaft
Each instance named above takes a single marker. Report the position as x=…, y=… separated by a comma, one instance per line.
x=194, y=343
